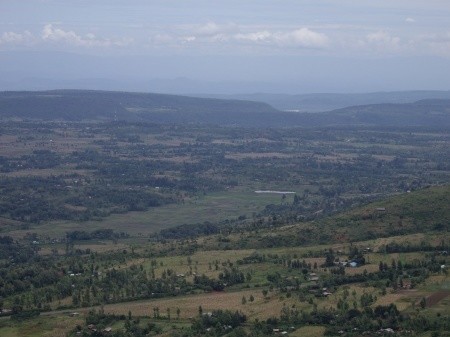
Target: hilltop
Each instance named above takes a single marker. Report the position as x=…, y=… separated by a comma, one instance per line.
x=320, y=102
x=78, y=105
x=86, y=105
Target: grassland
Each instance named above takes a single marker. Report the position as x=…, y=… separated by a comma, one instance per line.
x=210, y=175
x=262, y=306
x=45, y=326
x=212, y=207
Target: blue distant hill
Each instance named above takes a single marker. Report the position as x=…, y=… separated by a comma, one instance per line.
x=90, y=105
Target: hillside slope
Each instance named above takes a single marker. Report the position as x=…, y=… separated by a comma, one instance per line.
x=320, y=102
x=422, y=211
x=78, y=105
x=416, y=212
x=429, y=112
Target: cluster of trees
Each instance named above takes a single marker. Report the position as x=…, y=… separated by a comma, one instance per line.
x=218, y=322
x=354, y=322
x=121, y=168
x=39, y=159
x=36, y=199
x=395, y=247
x=92, y=279
x=98, y=234
x=98, y=324
x=14, y=251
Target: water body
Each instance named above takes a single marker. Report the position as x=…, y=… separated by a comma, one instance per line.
x=275, y=192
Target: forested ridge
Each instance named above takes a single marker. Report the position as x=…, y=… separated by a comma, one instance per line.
x=86, y=105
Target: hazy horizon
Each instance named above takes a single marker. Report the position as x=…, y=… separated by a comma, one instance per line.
x=213, y=47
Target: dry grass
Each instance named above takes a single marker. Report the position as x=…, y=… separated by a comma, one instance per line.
x=189, y=305
x=309, y=331
x=378, y=243
x=399, y=299
x=371, y=268
x=64, y=302
x=201, y=262
x=61, y=326
x=435, y=280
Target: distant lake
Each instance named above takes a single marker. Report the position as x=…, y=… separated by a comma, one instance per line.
x=276, y=192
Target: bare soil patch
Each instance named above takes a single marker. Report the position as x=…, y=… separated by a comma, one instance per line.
x=436, y=297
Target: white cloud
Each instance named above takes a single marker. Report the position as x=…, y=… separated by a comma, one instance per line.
x=383, y=41
x=233, y=35
x=212, y=29
x=53, y=34
x=307, y=38
x=16, y=38
x=189, y=39
x=262, y=36
x=410, y=20
x=302, y=37
x=50, y=33
x=209, y=28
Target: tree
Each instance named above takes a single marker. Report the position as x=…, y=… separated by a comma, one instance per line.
x=423, y=303
x=329, y=258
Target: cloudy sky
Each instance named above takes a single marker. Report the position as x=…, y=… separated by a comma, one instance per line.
x=226, y=46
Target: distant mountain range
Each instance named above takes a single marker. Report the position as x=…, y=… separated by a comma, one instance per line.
x=77, y=105
x=427, y=112
x=89, y=105
x=325, y=102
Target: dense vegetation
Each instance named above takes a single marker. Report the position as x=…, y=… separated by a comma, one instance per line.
x=60, y=171
x=353, y=241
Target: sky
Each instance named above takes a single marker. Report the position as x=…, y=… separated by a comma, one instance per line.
x=210, y=46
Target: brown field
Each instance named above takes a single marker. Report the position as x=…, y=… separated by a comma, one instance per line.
x=189, y=305
x=308, y=331
x=371, y=268
x=12, y=146
x=375, y=258
x=401, y=300
x=200, y=262
x=232, y=255
x=256, y=155
x=336, y=157
x=435, y=298
x=436, y=283
x=45, y=172
x=412, y=238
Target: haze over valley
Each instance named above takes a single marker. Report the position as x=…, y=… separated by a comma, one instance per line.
x=238, y=169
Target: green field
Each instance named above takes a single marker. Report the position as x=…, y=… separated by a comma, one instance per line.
x=212, y=207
